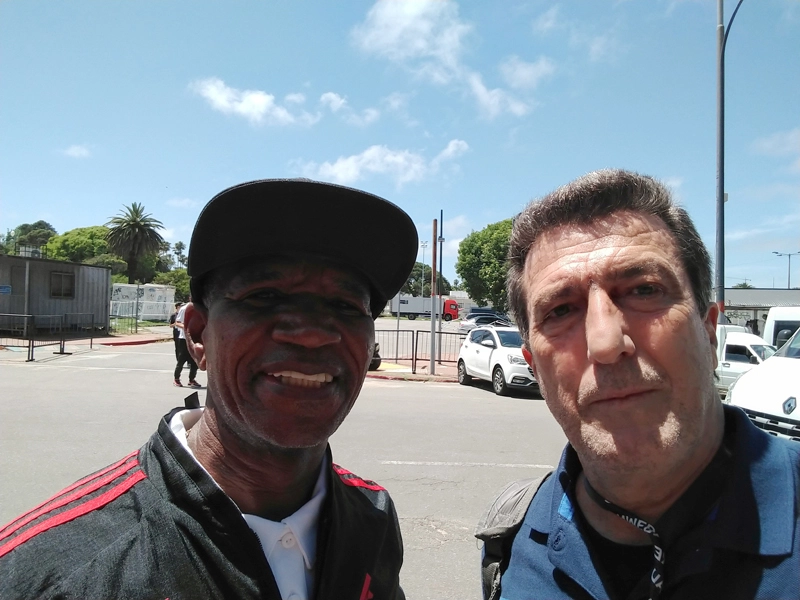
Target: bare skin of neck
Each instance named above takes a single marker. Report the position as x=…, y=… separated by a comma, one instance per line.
x=646, y=496
x=267, y=482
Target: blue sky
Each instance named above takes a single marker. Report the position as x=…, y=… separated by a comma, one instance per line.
x=471, y=108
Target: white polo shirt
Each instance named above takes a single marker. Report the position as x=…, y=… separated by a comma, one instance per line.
x=290, y=546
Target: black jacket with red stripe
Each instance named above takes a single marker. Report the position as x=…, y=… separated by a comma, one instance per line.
x=155, y=526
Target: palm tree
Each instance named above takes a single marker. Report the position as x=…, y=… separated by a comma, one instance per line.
x=134, y=234
x=178, y=249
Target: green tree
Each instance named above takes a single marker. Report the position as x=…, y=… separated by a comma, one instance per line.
x=178, y=249
x=133, y=236
x=79, y=245
x=115, y=263
x=482, y=264
x=421, y=276
x=177, y=278
x=29, y=234
x=744, y=286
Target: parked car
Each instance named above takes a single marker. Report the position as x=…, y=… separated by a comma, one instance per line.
x=781, y=323
x=738, y=351
x=494, y=353
x=485, y=310
x=768, y=393
x=468, y=324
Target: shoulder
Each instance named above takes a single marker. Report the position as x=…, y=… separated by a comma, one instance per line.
x=50, y=542
x=375, y=493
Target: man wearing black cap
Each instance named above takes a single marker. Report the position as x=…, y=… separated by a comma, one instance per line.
x=241, y=499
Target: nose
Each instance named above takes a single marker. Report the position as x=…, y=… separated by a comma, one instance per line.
x=307, y=330
x=606, y=332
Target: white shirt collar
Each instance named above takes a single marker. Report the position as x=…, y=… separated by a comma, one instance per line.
x=302, y=523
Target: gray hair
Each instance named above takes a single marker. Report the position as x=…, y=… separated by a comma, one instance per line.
x=594, y=196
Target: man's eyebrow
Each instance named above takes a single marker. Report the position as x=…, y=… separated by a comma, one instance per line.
x=553, y=294
x=645, y=267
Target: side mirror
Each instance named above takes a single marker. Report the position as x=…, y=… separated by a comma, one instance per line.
x=753, y=360
x=488, y=343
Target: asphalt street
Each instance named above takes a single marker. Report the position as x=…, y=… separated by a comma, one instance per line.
x=442, y=450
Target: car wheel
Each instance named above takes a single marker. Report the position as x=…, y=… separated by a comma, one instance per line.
x=412, y=316
x=375, y=364
x=463, y=377
x=499, y=382
x=448, y=318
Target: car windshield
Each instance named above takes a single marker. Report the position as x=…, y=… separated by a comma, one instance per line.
x=764, y=352
x=510, y=339
x=791, y=349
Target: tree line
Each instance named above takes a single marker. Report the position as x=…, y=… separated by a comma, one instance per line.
x=130, y=244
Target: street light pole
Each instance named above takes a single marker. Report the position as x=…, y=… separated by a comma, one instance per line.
x=789, y=272
x=422, y=277
x=722, y=40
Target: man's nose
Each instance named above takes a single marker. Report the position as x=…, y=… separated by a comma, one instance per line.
x=305, y=328
x=606, y=332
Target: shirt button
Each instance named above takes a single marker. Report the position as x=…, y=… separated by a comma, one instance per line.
x=288, y=541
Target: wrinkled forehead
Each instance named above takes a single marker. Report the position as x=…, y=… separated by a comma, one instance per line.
x=275, y=267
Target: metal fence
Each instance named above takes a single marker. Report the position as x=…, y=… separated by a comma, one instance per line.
x=126, y=315
x=414, y=346
x=38, y=331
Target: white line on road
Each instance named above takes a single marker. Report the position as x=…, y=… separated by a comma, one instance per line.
x=420, y=463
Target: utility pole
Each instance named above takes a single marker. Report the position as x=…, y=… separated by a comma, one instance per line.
x=722, y=39
x=433, y=299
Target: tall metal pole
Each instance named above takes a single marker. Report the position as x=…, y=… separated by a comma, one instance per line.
x=422, y=277
x=439, y=274
x=433, y=299
x=722, y=40
x=789, y=272
x=719, y=282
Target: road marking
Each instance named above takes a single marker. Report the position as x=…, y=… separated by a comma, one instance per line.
x=80, y=368
x=423, y=463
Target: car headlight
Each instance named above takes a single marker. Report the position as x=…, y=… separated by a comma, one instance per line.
x=516, y=360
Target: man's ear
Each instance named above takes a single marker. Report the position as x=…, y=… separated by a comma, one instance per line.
x=710, y=325
x=526, y=354
x=195, y=320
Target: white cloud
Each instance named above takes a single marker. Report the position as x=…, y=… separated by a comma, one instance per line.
x=497, y=101
x=337, y=104
x=77, y=151
x=769, y=226
x=547, y=21
x=520, y=74
x=182, y=203
x=333, y=101
x=296, y=98
x=367, y=117
x=256, y=106
x=454, y=149
x=782, y=143
x=403, y=166
x=428, y=38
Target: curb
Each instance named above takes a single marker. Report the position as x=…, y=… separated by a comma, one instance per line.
x=413, y=377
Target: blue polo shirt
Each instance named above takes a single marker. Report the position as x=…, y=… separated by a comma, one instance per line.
x=747, y=547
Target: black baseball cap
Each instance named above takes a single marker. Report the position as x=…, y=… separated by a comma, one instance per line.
x=285, y=216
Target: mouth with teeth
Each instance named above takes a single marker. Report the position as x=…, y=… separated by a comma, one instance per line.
x=293, y=378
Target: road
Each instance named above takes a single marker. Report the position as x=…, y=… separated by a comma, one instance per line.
x=442, y=450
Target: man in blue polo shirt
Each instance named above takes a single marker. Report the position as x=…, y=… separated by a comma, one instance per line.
x=661, y=492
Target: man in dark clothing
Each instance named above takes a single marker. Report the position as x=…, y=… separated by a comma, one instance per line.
x=175, y=330
x=661, y=492
x=241, y=498
x=182, y=353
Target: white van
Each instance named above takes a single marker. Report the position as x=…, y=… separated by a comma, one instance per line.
x=781, y=323
x=738, y=351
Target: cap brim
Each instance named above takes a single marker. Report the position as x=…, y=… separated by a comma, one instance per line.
x=285, y=216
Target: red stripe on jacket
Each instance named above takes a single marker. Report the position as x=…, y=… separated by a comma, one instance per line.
x=58, y=502
x=77, y=484
x=354, y=480
x=73, y=513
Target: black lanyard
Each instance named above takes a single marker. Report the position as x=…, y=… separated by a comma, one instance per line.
x=657, y=574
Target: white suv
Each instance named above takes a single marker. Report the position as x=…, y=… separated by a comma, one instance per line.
x=495, y=354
